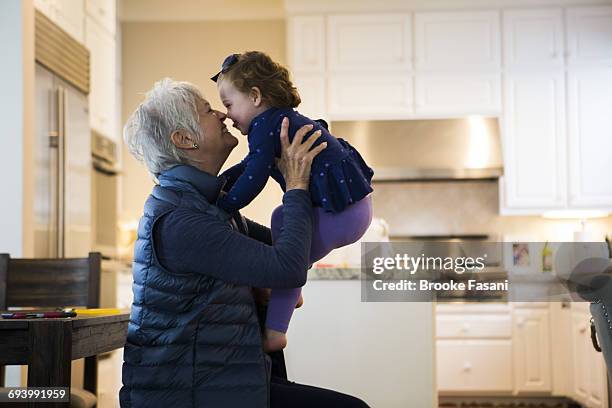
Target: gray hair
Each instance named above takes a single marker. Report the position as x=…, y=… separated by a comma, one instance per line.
x=168, y=107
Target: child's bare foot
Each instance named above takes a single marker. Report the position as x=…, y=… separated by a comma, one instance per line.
x=274, y=340
x=300, y=301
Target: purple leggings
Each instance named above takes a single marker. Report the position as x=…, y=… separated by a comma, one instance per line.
x=330, y=231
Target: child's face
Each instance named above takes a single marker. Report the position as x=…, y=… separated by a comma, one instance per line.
x=241, y=107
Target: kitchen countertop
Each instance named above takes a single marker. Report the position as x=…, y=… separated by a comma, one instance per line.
x=334, y=274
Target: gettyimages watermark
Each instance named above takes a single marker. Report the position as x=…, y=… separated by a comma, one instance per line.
x=485, y=271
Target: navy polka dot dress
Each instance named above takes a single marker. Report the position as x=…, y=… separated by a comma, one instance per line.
x=339, y=175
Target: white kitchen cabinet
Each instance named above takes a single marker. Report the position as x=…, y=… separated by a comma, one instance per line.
x=533, y=38
x=478, y=365
x=590, y=140
x=598, y=390
x=534, y=140
x=589, y=35
x=375, y=42
x=457, y=40
x=47, y=7
x=312, y=93
x=102, y=82
x=590, y=375
x=580, y=342
x=68, y=15
x=448, y=94
x=531, y=348
x=306, y=44
x=368, y=96
x=104, y=12
x=474, y=348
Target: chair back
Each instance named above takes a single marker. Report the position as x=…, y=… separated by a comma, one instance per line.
x=42, y=283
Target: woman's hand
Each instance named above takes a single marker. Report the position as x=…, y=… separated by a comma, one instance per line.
x=296, y=157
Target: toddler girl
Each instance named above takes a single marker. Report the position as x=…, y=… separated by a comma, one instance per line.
x=258, y=94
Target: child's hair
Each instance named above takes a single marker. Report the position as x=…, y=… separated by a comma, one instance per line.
x=257, y=69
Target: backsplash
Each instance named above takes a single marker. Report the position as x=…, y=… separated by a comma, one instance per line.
x=467, y=207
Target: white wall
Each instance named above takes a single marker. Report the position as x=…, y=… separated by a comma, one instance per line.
x=16, y=111
x=11, y=117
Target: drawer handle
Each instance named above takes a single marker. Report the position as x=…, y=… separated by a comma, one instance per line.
x=465, y=328
x=520, y=322
x=467, y=366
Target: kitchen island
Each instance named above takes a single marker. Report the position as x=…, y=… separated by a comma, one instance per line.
x=382, y=352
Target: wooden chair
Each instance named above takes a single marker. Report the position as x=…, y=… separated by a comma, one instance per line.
x=50, y=283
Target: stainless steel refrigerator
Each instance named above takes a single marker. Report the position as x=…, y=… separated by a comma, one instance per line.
x=62, y=170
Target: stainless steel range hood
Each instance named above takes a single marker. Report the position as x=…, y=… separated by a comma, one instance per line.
x=433, y=149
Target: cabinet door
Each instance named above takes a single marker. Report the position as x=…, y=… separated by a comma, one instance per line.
x=457, y=94
x=47, y=7
x=534, y=140
x=104, y=12
x=306, y=44
x=312, y=92
x=68, y=15
x=580, y=341
x=598, y=392
x=379, y=42
x=533, y=37
x=532, y=360
x=474, y=365
x=589, y=34
x=354, y=96
x=590, y=142
x=101, y=96
x=451, y=41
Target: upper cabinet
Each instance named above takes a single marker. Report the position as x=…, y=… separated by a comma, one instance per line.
x=104, y=12
x=589, y=35
x=369, y=95
x=102, y=99
x=379, y=42
x=590, y=141
x=553, y=160
x=534, y=140
x=448, y=93
x=457, y=40
x=533, y=38
x=306, y=44
x=68, y=15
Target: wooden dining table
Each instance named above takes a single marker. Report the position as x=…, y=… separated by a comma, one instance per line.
x=48, y=346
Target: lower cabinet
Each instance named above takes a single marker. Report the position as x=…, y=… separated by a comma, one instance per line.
x=474, y=349
x=491, y=350
x=466, y=365
x=532, y=351
x=590, y=377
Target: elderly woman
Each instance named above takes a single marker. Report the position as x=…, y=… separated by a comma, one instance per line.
x=194, y=338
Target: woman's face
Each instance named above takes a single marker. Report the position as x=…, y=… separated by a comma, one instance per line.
x=217, y=138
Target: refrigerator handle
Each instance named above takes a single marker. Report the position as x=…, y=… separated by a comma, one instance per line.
x=61, y=170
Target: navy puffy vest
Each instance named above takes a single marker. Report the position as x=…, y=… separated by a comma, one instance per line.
x=193, y=341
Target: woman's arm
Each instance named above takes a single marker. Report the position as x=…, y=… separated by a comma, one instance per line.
x=190, y=242
x=259, y=232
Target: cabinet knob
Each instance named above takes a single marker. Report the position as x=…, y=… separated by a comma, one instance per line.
x=520, y=322
x=467, y=366
x=465, y=328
